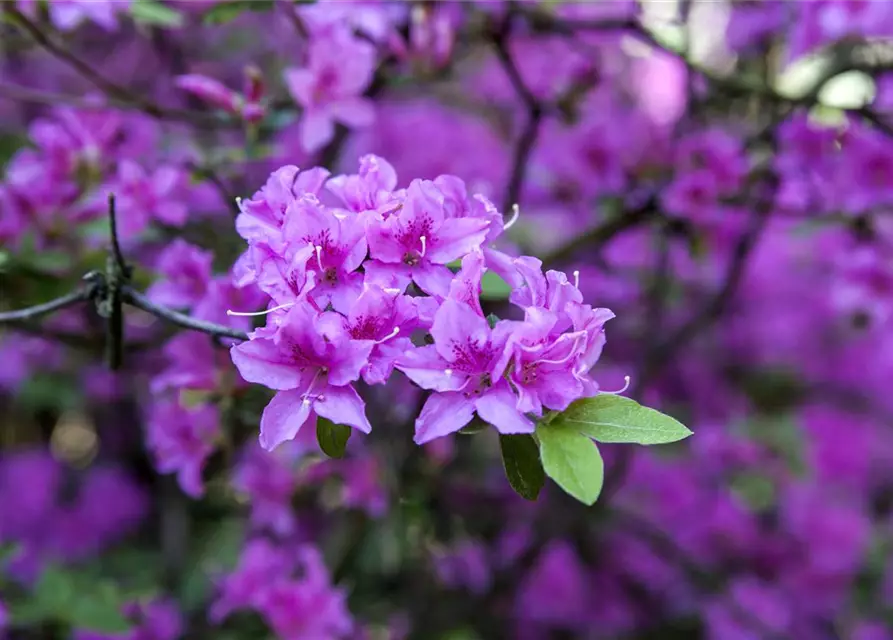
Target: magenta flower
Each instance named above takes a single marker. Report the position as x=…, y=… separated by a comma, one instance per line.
x=308, y=607
x=144, y=197
x=261, y=564
x=419, y=241
x=246, y=105
x=186, y=271
x=464, y=367
x=311, y=361
x=543, y=365
x=68, y=14
x=262, y=216
x=387, y=319
x=181, y=439
x=333, y=247
x=372, y=189
x=339, y=68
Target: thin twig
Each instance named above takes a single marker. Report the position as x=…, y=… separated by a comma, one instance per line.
x=110, y=87
x=68, y=300
x=535, y=111
x=599, y=236
x=138, y=300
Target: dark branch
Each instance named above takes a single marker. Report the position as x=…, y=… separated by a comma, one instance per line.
x=138, y=300
x=110, y=88
x=68, y=300
x=599, y=236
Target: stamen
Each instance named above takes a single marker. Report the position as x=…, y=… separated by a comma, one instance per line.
x=318, y=250
x=577, y=278
x=389, y=336
x=448, y=372
x=516, y=213
x=239, y=201
x=308, y=396
x=245, y=314
x=625, y=387
x=571, y=353
x=392, y=291
x=424, y=246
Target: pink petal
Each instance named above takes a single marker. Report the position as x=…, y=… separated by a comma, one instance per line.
x=343, y=405
x=443, y=414
x=353, y=112
x=283, y=418
x=498, y=407
x=317, y=128
x=426, y=368
x=261, y=362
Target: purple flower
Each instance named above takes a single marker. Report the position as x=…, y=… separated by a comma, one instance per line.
x=157, y=619
x=464, y=367
x=308, y=607
x=186, y=270
x=68, y=14
x=464, y=566
x=269, y=479
x=331, y=246
x=555, y=590
x=372, y=189
x=310, y=361
x=261, y=217
x=419, y=241
x=261, y=564
x=387, y=319
x=339, y=68
x=144, y=197
x=246, y=105
x=181, y=439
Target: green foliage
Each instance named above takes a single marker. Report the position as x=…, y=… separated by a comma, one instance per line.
x=332, y=438
x=523, y=468
x=75, y=599
x=156, y=14
x=612, y=418
x=224, y=12
x=216, y=552
x=494, y=287
x=572, y=460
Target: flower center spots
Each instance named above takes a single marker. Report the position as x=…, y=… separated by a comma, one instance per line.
x=366, y=328
x=330, y=276
x=529, y=373
x=484, y=383
x=411, y=258
x=470, y=357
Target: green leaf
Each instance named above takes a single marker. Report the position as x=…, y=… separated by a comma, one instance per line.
x=523, y=468
x=573, y=461
x=332, y=437
x=494, y=287
x=474, y=427
x=613, y=418
x=224, y=12
x=216, y=552
x=78, y=600
x=156, y=14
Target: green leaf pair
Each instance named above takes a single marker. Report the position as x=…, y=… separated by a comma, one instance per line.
x=156, y=14
x=567, y=452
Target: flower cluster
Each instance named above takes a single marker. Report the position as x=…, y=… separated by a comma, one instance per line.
x=289, y=587
x=358, y=273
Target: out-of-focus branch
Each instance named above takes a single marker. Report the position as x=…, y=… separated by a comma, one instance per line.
x=109, y=87
x=535, y=108
x=62, y=302
x=599, y=236
x=138, y=300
